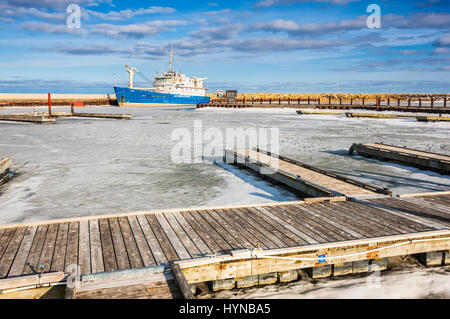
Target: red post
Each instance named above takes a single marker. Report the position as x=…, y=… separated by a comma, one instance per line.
x=49, y=105
x=378, y=103
x=432, y=102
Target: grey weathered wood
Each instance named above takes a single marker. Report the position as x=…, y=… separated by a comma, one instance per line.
x=181, y=281
x=35, y=252
x=72, y=247
x=173, y=238
x=155, y=247
x=246, y=234
x=163, y=241
x=109, y=256
x=49, y=247
x=59, y=254
x=199, y=243
x=141, y=242
x=10, y=252
x=130, y=243
x=119, y=245
x=84, y=257
x=22, y=253
x=97, y=264
x=182, y=235
x=204, y=235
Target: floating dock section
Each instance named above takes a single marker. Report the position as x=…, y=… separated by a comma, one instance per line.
x=432, y=119
x=407, y=156
x=28, y=118
x=309, y=180
x=146, y=254
x=5, y=165
x=44, y=118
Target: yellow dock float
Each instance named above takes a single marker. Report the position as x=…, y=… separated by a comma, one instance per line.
x=165, y=253
x=377, y=115
x=432, y=119
x=407, y=156
x=5, y=166
x=302, y=177
x=303, y=112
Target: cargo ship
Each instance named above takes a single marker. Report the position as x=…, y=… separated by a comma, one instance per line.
x=170, y=87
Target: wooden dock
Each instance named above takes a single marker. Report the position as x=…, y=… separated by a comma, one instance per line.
x=407, y=156
x=5, y=166
x=233, y=246
x=44, y=118
x=307, y=179
x=360, y=115
x=432, y=119
x=29, y=118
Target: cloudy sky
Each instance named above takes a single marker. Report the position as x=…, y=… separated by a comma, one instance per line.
x=253, y=45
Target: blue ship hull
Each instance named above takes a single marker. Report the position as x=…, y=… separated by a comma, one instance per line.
x=138, y=97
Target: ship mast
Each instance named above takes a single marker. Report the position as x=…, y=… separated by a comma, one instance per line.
x=131, y=71
x=171, y=60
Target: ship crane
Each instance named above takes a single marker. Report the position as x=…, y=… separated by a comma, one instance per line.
x=131, y=71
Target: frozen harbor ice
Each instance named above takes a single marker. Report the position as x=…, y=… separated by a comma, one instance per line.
x=80, y=167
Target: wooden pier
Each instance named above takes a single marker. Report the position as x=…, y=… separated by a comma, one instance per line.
x=307, y=179
x=407, y=156
x=433, y=119
x=44, y=118
x=411, y=104
x=28, y=118
x=233, y=246
x=5, y=165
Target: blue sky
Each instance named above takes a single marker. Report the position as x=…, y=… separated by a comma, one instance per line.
x=254, y=46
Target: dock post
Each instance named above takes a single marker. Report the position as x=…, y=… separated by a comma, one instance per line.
x=432, y=102
x=340, y=100
x=329, y=100
x=398, y=102
x=363, y=101
x=389, y=101
x=420, y=102
x=309, y=100
x=49, y=105
x=409, y=102
x=445, y=101
x=378, y=103
x=72, y=109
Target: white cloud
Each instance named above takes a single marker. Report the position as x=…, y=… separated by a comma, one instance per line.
x=129, y=13
x=137, y=30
